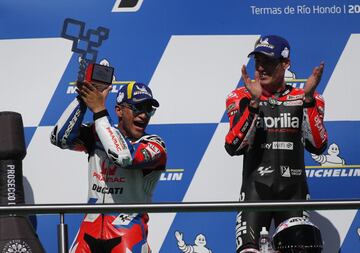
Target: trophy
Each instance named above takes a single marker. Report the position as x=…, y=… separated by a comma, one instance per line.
x=85, y=43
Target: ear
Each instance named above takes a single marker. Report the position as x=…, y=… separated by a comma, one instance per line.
x=285, y=63
x=118, y=111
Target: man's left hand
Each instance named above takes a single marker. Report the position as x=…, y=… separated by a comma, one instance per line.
x=313, y=81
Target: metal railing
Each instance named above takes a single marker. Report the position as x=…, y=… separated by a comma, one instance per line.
x=63, y=209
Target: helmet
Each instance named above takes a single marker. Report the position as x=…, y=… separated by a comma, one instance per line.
x=297, y=235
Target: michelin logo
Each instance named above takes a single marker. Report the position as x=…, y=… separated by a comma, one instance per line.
x=332, y=158
x=198, y=247
x=332, y=165
x=172, y=175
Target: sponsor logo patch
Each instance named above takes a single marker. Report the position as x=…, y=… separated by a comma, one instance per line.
x=265, y=170
x=285, y=171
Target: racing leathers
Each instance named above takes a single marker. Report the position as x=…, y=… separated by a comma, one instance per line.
x=119, y=171
x=272, y=139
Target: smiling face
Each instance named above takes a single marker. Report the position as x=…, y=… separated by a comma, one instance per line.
x=133, y=120
x=271, y=72
x=333, y=149
x=200, y=240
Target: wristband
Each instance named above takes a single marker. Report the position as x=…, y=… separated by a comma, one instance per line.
x=252, y=108
x=100, y=114
x=255, y=99
x=310, y=104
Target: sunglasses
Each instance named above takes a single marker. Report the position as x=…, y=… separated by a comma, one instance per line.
x=137, y=109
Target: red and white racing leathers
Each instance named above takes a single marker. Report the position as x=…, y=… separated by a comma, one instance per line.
x=120, y=171
x=272, y=139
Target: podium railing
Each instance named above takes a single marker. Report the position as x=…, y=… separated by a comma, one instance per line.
x=63, y=209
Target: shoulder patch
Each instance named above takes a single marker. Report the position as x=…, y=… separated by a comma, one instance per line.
x=153, y=138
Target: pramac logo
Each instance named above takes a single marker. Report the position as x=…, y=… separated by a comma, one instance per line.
x=127, y=5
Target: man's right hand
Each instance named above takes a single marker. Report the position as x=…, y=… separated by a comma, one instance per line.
x=94, y=99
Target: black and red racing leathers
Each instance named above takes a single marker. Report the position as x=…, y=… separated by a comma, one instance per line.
x=119, y=171
x=272, y=139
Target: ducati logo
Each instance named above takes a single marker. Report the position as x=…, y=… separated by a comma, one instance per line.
x=127, y=5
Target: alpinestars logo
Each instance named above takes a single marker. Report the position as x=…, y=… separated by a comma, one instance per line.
x=127, y=5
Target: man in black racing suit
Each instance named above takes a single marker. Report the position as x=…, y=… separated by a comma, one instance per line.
x=270, y=124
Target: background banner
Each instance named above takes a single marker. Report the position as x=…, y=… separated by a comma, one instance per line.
x=190, y=53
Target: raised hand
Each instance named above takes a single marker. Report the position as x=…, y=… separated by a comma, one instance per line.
x=94, y=99
x=254, y=88
x=179, y=238
x=313, y=81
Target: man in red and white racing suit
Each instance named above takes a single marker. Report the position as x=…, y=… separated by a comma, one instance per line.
x=125, y=164
x=270, y=124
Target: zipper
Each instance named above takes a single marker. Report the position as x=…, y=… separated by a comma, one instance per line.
x=103, y=201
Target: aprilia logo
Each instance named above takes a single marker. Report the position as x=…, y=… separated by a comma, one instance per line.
x=284, y=121
x=240, y=230
x=127, y=5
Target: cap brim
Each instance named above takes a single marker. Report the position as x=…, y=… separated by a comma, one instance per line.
x=153, y=101
x=262, y=52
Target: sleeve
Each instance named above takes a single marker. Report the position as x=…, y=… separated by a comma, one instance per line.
x=115, y=145
x=69, y=132
x=149, y=154
x=242, y=120
x=314, y=132
x=187, y=248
